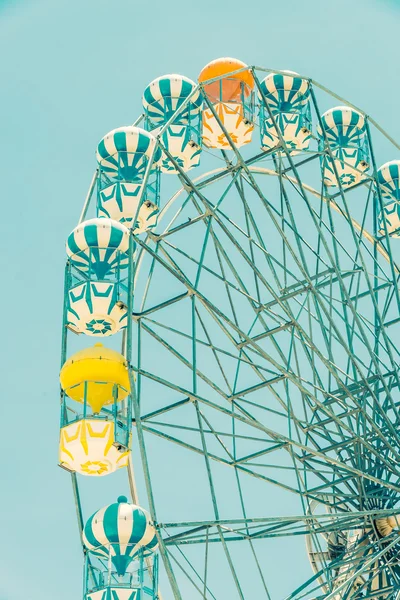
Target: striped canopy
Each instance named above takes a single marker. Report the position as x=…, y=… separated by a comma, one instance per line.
x=285, y=93
x=123, y=153
x=120, y=529
x=389, y=179
x=344, y=126
x=166, y=94
x=99, y=245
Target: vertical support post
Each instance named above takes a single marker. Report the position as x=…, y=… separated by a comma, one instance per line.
x=141, y=571
x=85, y=387
x=85, y=577
x=88, y=197
x=109, y=566
x=155, y=577
x=64, y=333
x=64, y=339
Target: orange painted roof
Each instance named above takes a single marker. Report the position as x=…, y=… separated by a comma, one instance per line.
x=224, y=66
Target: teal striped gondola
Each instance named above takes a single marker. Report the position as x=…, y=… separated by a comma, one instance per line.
x=123, y=157
x=123, y=153
x=120, y=530
x=165, y=98
x=288, y=99
x=98, y=246
x=388, y=179
x=344, y=133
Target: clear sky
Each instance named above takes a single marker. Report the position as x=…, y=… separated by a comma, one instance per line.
x=70, y=71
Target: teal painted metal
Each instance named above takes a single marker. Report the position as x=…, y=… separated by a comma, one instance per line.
x=139, y=583
x=269, y=293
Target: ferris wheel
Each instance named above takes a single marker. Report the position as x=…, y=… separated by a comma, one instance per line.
x=237, y=260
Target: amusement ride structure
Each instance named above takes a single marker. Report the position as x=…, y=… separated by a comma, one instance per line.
x=230, y=315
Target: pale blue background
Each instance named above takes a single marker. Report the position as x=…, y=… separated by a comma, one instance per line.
x=71, y=70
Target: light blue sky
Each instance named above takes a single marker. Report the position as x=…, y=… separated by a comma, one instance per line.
x=70, y=71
